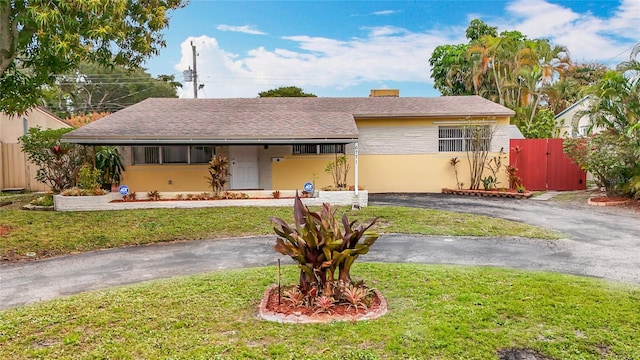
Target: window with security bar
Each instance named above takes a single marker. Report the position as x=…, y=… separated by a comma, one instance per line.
x=318, y=149
x=174, y=154
x=463, y=138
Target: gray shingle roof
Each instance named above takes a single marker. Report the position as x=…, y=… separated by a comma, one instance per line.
x=273, y=119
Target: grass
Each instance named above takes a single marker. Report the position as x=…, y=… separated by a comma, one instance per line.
x=437, y=312
x=580, y=196
x=54, y=233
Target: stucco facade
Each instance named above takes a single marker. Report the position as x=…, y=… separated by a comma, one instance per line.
x=404, y=144
x=394, y=156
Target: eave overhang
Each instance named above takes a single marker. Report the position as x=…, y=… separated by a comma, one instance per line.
x=201, y=141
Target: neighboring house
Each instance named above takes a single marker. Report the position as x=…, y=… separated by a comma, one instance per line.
x=393, y=144
x=15, y=171
x=567, y=121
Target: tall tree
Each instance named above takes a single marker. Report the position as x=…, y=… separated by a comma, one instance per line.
x=569, y=89
x=285, y=91
x=95, y=89
x=450, y=71
x=41, y=38
x=478, y=28
x=508, y=68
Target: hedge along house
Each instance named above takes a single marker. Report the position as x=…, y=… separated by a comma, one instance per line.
x=393, y=144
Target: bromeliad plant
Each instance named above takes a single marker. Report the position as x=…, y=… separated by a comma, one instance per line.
x=320, y=247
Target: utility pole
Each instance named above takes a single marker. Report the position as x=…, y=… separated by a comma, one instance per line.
x=195, y=72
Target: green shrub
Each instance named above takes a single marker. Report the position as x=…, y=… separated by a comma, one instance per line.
x=89, y=177
x=44, y=200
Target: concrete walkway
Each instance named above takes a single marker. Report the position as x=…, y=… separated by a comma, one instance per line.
x=601, y=243
x=547, y=195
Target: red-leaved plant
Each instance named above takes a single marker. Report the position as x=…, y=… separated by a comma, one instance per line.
x=320, y=247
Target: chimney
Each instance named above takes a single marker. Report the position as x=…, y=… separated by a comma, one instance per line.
x=385, y=93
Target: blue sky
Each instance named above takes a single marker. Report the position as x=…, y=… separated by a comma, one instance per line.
x=346, y=48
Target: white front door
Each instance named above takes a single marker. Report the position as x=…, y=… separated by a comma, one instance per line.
x=244, y=167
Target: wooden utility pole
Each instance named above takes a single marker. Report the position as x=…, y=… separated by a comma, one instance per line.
x=195, y=71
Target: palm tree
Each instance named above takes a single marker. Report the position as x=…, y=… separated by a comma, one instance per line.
x=482, y=54
x=616, y=104
x=631, y=67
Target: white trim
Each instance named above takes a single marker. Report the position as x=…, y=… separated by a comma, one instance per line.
x=355, y=162
x=464, y=122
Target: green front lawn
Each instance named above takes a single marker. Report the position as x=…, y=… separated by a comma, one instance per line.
x=435, y=312
x=54, y=233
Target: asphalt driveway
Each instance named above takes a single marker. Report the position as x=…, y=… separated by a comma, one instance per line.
x=601, y=242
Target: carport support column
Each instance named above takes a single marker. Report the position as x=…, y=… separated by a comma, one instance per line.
x=355, y=165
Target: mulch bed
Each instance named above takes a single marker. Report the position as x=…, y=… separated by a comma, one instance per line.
x=506, y=193
x=608, y=200
x=272, y=308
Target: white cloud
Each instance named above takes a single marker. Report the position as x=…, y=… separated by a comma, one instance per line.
x=384, y=55
x=390, y=54
x=588, y=37
x=246, y=29
x=386, y=12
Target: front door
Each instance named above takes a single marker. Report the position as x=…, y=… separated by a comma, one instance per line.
x=244, y=167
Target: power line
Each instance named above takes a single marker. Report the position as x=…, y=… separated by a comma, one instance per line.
x=624, y=51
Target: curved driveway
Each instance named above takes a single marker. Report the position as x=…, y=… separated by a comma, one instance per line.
x=602, y=242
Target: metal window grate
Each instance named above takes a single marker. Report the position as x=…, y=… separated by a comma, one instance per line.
x=318, y=149
x=172, y=154
x=463, y=138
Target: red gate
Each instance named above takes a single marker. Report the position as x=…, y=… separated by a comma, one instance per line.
x=543, y=165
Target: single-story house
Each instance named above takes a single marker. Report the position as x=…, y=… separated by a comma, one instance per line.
x=570, y=124
x=393, y=144
x=16, y=172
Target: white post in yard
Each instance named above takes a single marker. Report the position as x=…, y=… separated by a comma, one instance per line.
x=355, y=164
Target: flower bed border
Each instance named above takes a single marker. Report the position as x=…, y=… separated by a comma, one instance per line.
x=267, y=315
x=104, y=202
x=606, y=203
x=493, y=193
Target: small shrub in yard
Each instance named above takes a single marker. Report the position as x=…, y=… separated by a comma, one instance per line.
x=355, y=295
x=325, y=304
x=320, y=247
x=44, y=200
x=218, y=174
x=89, y=177
x=339, y=171
x=153, y=195
x=58, y=163
x=76, y=191
x=294, y=297
x=610, y=156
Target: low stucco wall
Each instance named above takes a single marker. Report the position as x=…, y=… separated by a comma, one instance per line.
x=103, y=202
x=83, y=203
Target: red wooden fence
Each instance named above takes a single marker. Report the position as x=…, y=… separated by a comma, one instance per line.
x=543, y=165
